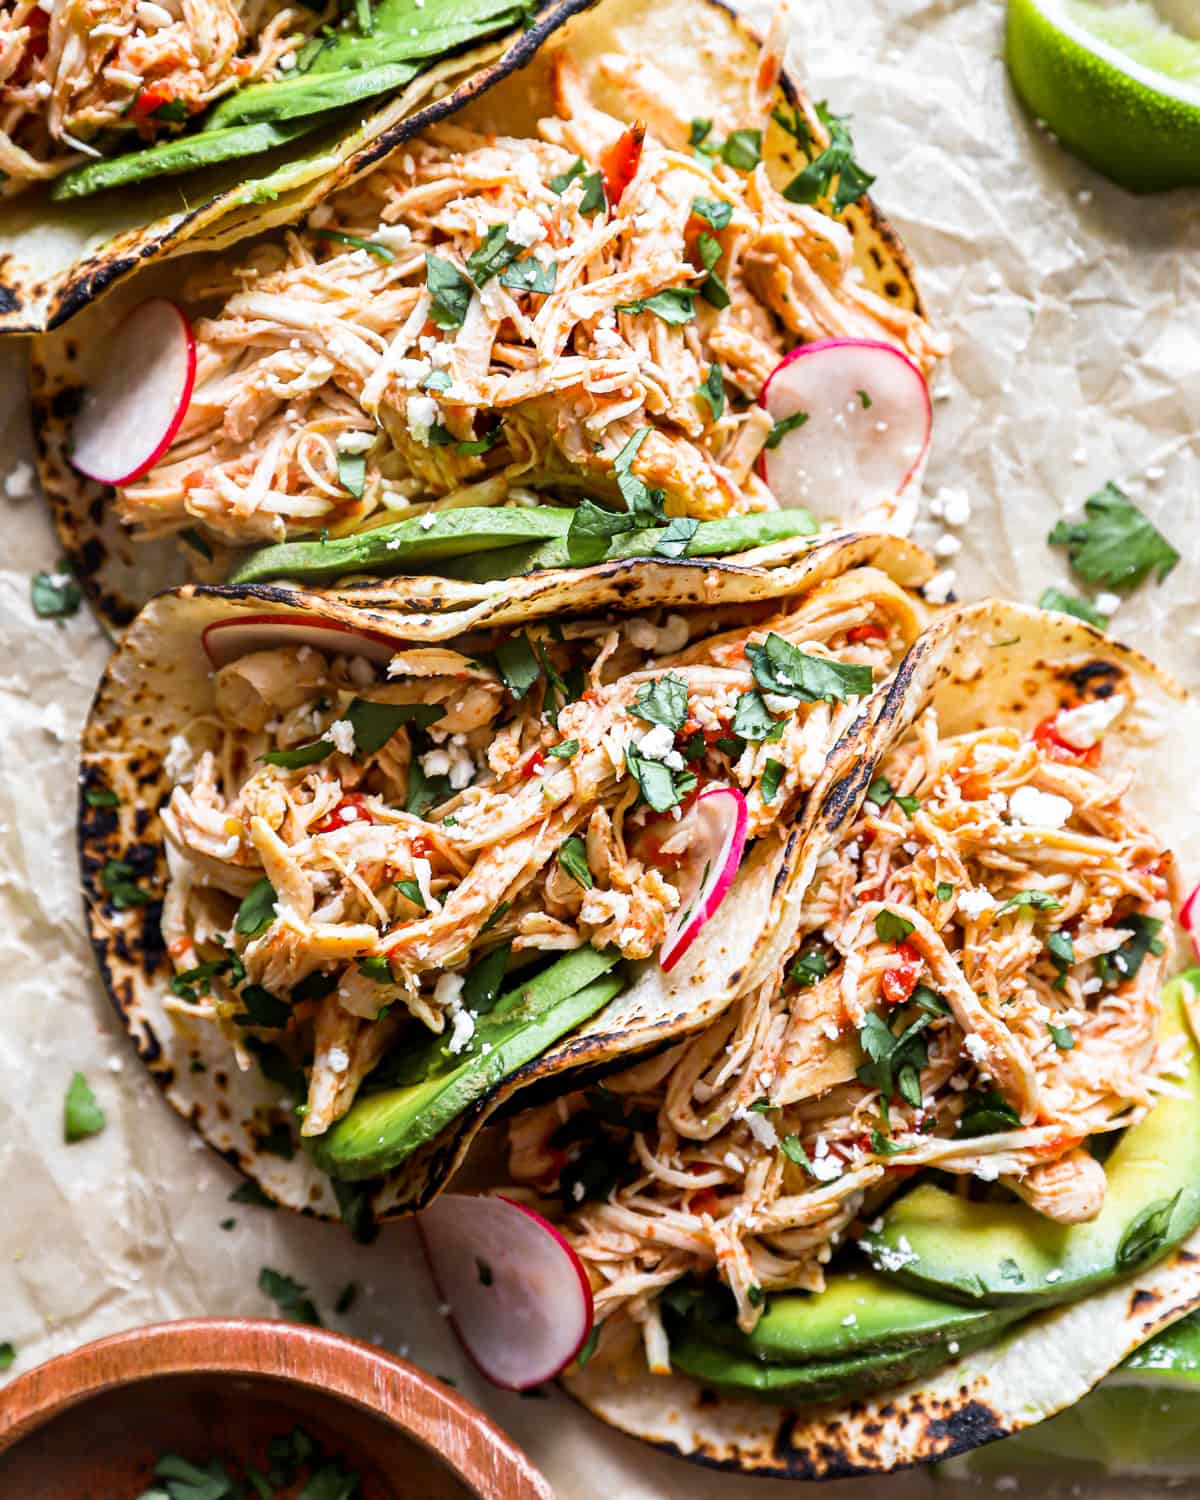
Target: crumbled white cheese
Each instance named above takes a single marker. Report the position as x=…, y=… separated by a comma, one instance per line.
x=362, y=672
x=18, y=482
x=447, y=993
x=658, y=743
x=946, y=545
x=951, y=505
x=180, y=761
x=394, y=236
x=987, y=1171
x=462, y=765
x=435, y=762
x=977, y=1048
x=777, y=703
x=526, y=228
x=1040, y=809
x=338, y=1060
x=428, y=521
x=733, y=1161
x=421, y=413
x=462, y=1029
x=423, y=873
x=671, y=635
x=341, y=733
x=1082, y=727
x=940, y=586
x=975, y=902
x=1107, y=604
x=760, y=1127
x=825, y=1166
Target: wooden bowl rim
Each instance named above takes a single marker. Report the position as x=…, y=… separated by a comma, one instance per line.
x=332, y=1364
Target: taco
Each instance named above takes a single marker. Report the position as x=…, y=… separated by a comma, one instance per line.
x=391, y=868
x=169, y=128
x=932, y=1173
x=574, y=291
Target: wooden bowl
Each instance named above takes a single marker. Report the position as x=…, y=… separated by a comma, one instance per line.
x=91, y=1424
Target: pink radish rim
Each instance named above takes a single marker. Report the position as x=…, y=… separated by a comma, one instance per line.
x=1187, y=920
x=802, y=349
x=585, y=1287
x=185, y=399
x=287, y=622
x=720, y=888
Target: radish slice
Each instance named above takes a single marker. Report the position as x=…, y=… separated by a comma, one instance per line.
x=519, y=1298
x=1189, y=920
x=859, y=454
x=225, y=640
x=134, y=408
x=715, y=830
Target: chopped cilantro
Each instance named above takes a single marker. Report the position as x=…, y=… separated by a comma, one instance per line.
x=944, y=890
x=772, y=777
x=987, y=1113
x=262, y=1008
x=882, y=1146
x=567, y=750
x=8, y=1355
x=930, y=1001
x=192, y=538
x=1115, y=546
x=679, y=533
x=411, y=891
x=352, y=472
x=889, y=928
x=1061, y=950
x=780, y=667
x=660, y=787
x=592, y=529
x=713, y=392
x=356, y=242
x=497, y=916
x=82, y=1115
x=289, y=1296
x=753, y=721
x=864, y=400
x=593, y=201
x=835, y=162
x=644, y=504
x=1038, y=900
x=700, y=132
x=1062, y=1036
x=793, y=1148
x=518, y=665
x=117, y=880
x=1146, y=1236
x=530, y=275
x=375, y=723
x=713, y=211
x=375, y=966
x=674, y=305
x=572, y=857
x=449, y=290
x=663, y=701
x=785, y=425
x=564, y=180
x=742, y=150
x=894, y=1060
x=1127, y=960
x=811, y=966
x=424, y=791
x=101, y=796
x=491, y=257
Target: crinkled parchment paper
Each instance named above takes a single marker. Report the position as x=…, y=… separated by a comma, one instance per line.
x=1073, y=309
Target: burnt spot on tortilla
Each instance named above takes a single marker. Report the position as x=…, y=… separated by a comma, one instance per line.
x=1142, y=1299
x=708, y=1397
x=1095, y=679
x=966, y=1426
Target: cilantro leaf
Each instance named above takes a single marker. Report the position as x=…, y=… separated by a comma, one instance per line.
x=779, y=667
x=352, y=472
x=593, y=201
x=813, y=964
x=1062, y=1036
x=713, y=391
x=742, y=150
x=930, y=1001
x=890, y=928
x=530, y=275
x=8, y=1355
x=661, y=788
x=491, y=257
x=987, y=1113
x=375, y=723
x=262, y=1008
x=117, y=880
x=257, y=910
x=564, y=180
x=518, y=665
x=944, y=890
x=713, y=211
x=82, y=1115
x=101, y=796
x=425, y=791
x=566, y=750
x=835, y=161
x=356, y=242
x=1038, y=900
x=674, y=305
x=572, y=857
x=1115, y=546
x=289, y=1296
x=772, y=777
x=1071, y=604
x=449, y=290
x=793, y=1148
x=1127, y=960
x=411, y=891
x=700, y=132
x=679, y=533
x=1061, y=950
x=663, y=701
x=894, y=1061
x=645, y=504
x=1146, y=1236
x=880, y=792
x=753, y=721
x=592, y=529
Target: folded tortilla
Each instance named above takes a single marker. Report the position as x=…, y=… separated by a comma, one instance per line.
x=161, y=678
x=711, y=62
x=981, y=666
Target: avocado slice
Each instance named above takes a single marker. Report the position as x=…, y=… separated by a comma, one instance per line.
x=354, y=64
x=817, y=1380
x=858, y=1313
x=382, y=1130
x=397, y=547
x=183, y=153
x=1007, y=1255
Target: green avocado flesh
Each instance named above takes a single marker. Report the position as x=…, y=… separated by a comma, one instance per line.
x=1007, y=1255
x=484, y=544
x=342, y=70
x=184, y=153
x=1175, y=1351
x=817, y=1380
x=858, y=1313
x=435, y=1086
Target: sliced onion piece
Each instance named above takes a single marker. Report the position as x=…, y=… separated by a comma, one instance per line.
x=135, y=405
x=519, y=1298
x=858, y=455
x=715, y=830
x=1189, y=920
x=226, y=640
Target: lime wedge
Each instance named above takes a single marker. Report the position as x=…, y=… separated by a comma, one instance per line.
x=1143, y=1421
x=1116, y=83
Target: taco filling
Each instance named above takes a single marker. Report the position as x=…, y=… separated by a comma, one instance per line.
x=482, y=319
x=80, y=84
x=974, y=990
x=362, y=858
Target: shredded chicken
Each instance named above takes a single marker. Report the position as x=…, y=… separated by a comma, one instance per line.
x=80, y=76
x=347, y=846
x=482, y=319
x=976, y=988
